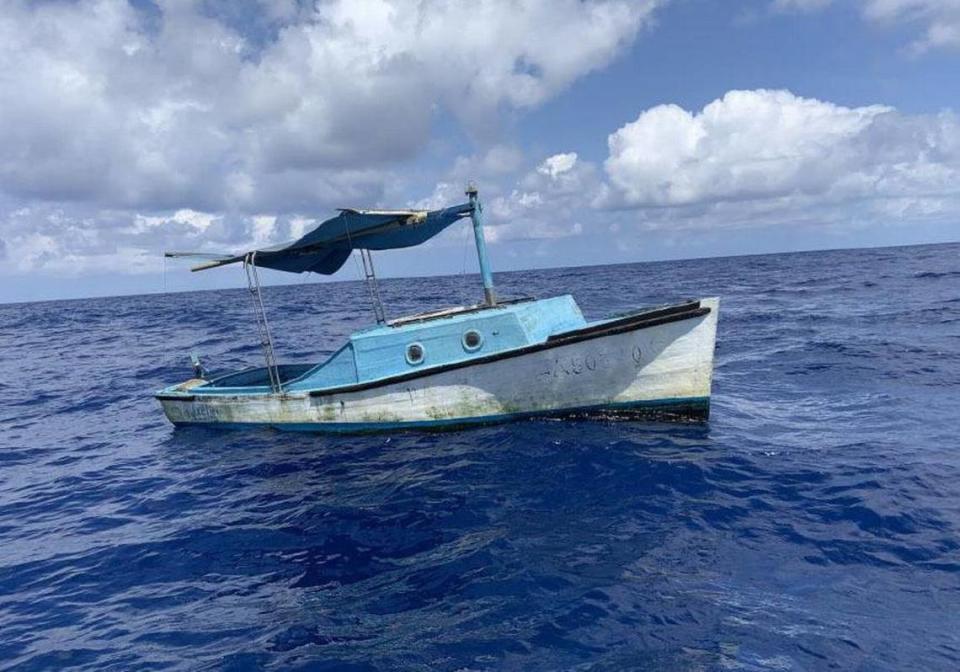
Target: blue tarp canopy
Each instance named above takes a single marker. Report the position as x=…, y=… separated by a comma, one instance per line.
x=326, y=248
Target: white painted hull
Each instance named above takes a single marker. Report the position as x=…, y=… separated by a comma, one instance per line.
x=660, y=370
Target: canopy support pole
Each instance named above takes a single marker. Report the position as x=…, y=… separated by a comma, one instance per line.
x=489, y=296
x=263, y=329
x=370, y=277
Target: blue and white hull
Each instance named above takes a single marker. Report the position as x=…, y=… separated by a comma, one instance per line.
x=651, y=364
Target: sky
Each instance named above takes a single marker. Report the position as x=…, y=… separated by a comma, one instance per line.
x=597, y=131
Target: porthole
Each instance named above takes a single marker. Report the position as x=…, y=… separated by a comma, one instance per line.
x=414, y=354
x=472, y=340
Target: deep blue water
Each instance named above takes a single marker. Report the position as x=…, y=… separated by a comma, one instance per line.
x=813, y=524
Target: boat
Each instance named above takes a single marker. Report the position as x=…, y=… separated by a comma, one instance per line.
x=497, y=360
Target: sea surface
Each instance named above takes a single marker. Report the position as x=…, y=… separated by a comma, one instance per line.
x=813, y=524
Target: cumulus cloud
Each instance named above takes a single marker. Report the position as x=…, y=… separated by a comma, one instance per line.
x=939, y=19
x=557, y=164
x=122, y=116
x=111, y=104
x=71, y=242
x=776, y=147
x=551, y=200
x=760, y=158
x=536, y=199
x=128, y=128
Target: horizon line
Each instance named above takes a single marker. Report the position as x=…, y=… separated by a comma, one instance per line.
x=518, y=270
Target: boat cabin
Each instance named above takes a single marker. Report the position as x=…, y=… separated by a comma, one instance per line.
x=391, y=348
x=418, y=342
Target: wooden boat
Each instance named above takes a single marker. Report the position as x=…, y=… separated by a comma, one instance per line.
x=490, y=362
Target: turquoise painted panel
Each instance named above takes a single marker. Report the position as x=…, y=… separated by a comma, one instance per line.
x=541, y=319
x=380, y=352
x=384, y=353
x=339, y=369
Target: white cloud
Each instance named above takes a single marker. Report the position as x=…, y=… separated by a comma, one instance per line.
x=757, y=158
x=551, y=200
x=49, y=239
x=124, y=118
x=263, y=228
x=124, y=132
x=102, y=105
x=300, y=225
x=444, y=193
x=939, y=19
x=752, y=159
x=557, y=164
x=775, y=147
x=546, y=200
x=488, y=168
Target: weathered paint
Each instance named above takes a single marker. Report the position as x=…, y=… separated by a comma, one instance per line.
x=379, y=352
x=694, y=409
x=476, y=216
x=663, y=367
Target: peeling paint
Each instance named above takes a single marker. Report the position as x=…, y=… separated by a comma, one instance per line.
x=675, y=363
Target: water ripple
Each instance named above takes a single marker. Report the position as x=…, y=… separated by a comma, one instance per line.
x=813, y=524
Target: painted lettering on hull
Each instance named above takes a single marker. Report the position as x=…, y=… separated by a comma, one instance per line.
x=572, y=365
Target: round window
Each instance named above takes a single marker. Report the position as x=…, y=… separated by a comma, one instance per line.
x=472, y=340
x=414, y=353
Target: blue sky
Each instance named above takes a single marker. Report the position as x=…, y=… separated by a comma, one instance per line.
x=598, y=131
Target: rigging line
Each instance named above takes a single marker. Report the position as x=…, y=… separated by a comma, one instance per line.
x=361, y=275
x=353, y=251
x=353, y=255
x=263, y=328
x=346, y=226
x=356, y=264
x=369, y=276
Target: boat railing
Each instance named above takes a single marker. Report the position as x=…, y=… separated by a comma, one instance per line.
x=456, y=310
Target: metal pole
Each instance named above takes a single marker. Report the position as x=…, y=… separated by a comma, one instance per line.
x=371, y=279
x=489, y=296
x=263, y=329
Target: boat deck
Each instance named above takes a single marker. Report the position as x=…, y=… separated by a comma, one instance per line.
x=381, y=354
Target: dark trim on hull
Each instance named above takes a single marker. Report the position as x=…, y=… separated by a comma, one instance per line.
x=650, y=318
x=654, y=318
x=693, y=409
x=645, y=320
x=181, y=397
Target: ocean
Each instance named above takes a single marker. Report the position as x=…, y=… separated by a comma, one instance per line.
x=812, y=524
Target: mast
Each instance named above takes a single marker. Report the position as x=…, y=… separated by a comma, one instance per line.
x=489, y=296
